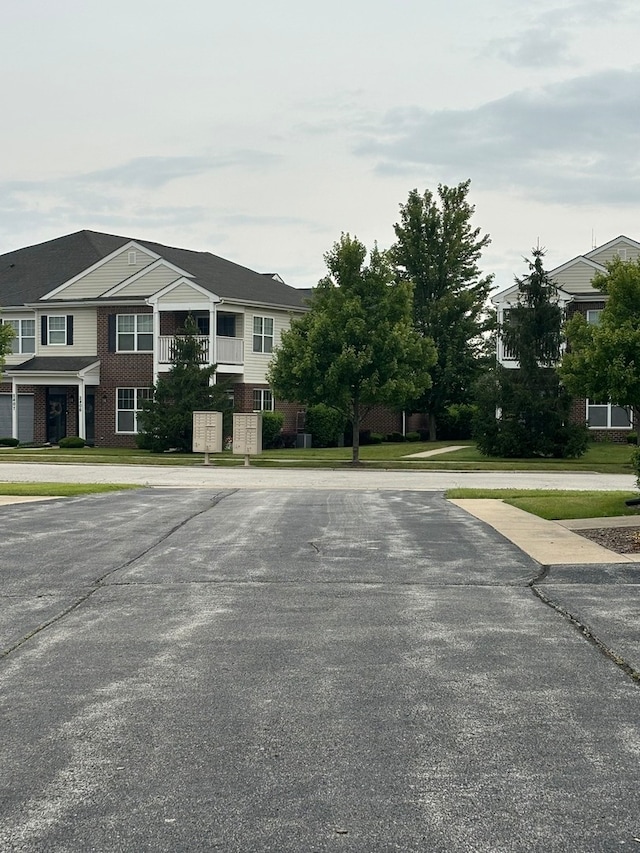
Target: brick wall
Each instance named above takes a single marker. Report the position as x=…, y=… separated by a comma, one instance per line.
x=383, y=420
x=117, y=370
x=243, y=402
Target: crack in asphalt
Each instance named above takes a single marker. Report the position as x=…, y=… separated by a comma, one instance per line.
x=580, y=626
x=98, y=583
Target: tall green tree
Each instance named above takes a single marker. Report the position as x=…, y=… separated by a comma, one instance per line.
x=6, y=336
x=525, y=411
x=603, y=361
x=167, y=417
x=356, y=346
x=439, y=250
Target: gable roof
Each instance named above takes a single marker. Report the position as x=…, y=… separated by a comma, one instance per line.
x=26, y=275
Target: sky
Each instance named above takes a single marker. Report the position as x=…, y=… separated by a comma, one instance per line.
x=262, y=131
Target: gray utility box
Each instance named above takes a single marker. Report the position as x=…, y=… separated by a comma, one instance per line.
x=304, y=439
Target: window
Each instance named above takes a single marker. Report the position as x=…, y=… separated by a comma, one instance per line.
x=129, y=403
x=263, y=334
x=134, y=332
x=593, y=316
x=608, y=416
x=57, y=331
x=262, y=400
x=25, y=335
x=226, y=325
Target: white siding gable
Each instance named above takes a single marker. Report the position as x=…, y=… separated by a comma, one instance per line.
x=105, y=275
x=626, y=250
x=148, y=283
x=183, y=292
x=576, y=278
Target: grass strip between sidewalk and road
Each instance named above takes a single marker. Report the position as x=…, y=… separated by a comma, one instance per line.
x=553, y=504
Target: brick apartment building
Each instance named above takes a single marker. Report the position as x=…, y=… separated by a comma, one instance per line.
x=576, y=294
x=95, y=315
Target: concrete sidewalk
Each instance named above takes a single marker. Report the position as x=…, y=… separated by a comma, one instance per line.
x=551, y=543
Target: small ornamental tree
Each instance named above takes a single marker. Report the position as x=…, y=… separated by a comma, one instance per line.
x=166, y=421
x=356, y=346
x=6, y=336
x=603, y=361
x=524, y=411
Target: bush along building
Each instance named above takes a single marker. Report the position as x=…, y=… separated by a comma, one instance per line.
x=605, y=419
x=95, y=316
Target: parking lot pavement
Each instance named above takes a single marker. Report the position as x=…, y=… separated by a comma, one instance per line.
x=311, y=670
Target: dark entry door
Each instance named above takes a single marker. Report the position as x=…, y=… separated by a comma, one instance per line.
x=56, y=416
x=90, y=417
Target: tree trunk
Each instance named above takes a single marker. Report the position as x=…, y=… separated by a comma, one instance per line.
x=432, y=426
x=355, y=455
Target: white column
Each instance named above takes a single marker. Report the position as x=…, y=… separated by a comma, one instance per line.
x=212, y=333
x=82, y=427
x=156, y=342
x=14, y=408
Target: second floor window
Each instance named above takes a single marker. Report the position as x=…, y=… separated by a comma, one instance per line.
x=25, y=335
x=263, y=334
x=134, y=332
x=57, y=331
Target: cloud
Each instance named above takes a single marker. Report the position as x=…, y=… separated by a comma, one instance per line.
x=120, y=196
x=538, y=47
x=153, y=172
x=575, y=141
x=547, y=42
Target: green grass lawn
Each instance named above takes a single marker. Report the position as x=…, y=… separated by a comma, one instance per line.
x=552, y=505
x=60, y=490
x=600, y=457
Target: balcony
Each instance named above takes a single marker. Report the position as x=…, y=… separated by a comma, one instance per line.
x=229, y=350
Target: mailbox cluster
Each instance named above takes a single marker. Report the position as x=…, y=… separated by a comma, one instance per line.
x=208, y=438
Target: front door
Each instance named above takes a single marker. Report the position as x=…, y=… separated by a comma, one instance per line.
x=90, y=417
x=56, y=416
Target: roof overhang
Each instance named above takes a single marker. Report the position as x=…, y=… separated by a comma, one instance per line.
x=44, y=370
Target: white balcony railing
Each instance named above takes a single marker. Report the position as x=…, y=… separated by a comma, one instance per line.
x=229, y=350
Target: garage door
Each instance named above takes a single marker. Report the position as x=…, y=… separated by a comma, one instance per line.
x=25, y=417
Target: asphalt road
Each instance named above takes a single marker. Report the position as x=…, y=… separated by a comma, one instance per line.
x=276, y=670
x=214, y=477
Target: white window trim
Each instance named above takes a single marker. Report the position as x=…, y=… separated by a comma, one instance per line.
x=262, y=392
x=262, y=335
x=591, y=312
x=19, y=335
x=608, y=406
x=138, y=397
x=136, y=333
x=51, y=317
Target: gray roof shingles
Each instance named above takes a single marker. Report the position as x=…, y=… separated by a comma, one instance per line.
x=52, y=364
x=26, y=275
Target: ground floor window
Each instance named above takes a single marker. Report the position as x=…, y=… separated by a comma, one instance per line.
x=128, y=405
x=608, y=416
x=262, y=400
